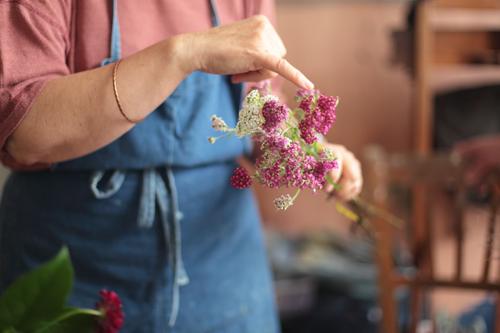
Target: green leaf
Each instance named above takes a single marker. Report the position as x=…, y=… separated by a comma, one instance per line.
x=37, y=296
x=293, y=133
x=298, y=114
x=10, y=330
x=336, y=186
x=76, y=324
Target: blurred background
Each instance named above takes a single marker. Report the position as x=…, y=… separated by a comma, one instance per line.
x=414, y=79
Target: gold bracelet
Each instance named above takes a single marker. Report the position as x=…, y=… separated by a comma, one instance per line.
x=117, y=98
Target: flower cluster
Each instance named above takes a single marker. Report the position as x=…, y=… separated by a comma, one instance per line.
x=110, y=306
x=292, y=155
x=319, y=114
x=240, y=178
x=285, y=164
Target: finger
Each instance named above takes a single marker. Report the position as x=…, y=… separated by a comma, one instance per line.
x=477, y=172
x=344, y=190
x=255, y=76
x=349, y=190
x=336, y=173
x=351, y=180
x=285, y=69
x=352, y=169
x=466, y=149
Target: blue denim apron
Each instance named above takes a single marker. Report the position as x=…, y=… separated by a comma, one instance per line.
x=121, y=211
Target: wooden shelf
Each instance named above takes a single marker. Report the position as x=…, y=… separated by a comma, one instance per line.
x=460, y=19
x=444, y=79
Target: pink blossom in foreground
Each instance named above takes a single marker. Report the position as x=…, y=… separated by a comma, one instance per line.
x=111, y=307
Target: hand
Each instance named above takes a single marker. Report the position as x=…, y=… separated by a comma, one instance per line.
x=348, y=174
x=249, y=50
x=482, y=155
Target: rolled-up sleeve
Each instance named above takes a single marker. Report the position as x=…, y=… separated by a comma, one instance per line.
x=34, y=43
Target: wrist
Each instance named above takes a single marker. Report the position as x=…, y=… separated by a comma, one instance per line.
x=182, y=53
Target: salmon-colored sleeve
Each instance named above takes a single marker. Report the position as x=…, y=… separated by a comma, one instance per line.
x=34, y=43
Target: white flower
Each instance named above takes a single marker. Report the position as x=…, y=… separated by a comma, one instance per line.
x=219, y=124
x=283, y=202
x=250, y=117
x=270, y=97
x=329, y=155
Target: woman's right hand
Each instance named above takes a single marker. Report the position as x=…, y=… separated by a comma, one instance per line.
x=249, y=50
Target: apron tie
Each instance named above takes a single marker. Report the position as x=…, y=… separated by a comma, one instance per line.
x=156, y=192
x=113, y=185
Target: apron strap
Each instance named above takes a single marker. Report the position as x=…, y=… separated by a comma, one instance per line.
x=113, y=185
x=156, y=190
x=115, y=47
x=214, y=15
x=180, y=277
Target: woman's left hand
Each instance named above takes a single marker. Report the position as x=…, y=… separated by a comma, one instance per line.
x=348, y=174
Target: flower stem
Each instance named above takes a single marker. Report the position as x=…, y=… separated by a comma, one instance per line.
x=68, y=314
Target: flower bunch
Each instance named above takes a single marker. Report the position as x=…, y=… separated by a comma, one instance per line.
x=290, y=141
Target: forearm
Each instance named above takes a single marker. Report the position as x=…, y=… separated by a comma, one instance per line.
x=78, y=114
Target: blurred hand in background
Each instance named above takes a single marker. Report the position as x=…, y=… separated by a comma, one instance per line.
x=482, y=156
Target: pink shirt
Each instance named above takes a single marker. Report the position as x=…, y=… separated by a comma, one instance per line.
x=44, y=39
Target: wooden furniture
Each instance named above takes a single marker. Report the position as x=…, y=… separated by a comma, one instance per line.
x=432, y=174
x=448, y=34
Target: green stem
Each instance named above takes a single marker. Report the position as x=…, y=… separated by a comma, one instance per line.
x=381, y=213
x=296, y=194
x=69, y=314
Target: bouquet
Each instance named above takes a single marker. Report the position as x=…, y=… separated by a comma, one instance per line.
x=290, y=139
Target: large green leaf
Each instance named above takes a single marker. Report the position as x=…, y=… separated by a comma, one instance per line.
x=37, y=296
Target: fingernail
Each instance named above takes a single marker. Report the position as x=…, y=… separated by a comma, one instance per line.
x=308, y=85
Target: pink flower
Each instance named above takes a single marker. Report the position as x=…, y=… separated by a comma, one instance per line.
x=240, y=178
x=307, y=129
x=325, y=114
x=306, y=104
x=274, y=114
x=111, y=307
x=275, y=142
x=271, y=176
x=319, y=114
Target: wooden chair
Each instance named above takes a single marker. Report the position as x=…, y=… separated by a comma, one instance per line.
x=427, y=176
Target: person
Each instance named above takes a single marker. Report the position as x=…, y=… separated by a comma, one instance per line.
x=103, y=120
x=482, y=155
